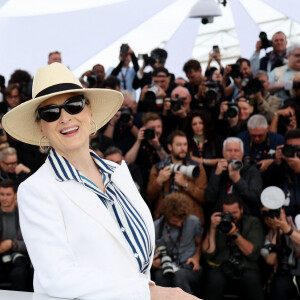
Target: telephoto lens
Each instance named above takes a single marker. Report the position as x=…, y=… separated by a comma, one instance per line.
x=236, y=164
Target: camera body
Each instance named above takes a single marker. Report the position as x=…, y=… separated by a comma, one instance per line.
x=253, y=86
x=232, y=110
x=126, y=114
x=149, y=60
x=124, y=48
x=271, y=213
x=235, y=71
x=266, y=43
x=92, y=79
x=226, y=219
x=290, y=150
x=213, y=89
x=149, y=134
x=176, y=103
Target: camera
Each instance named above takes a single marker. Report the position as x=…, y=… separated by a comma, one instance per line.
x=235, y=71
x=213, y=89
x=176, y=103
x=189, y=171
x=126, y=114
x=267, y=249
x=236, y=164
x=166, y=261
x=226, y=219
x=253, y=86
x=149, y=134
x=266, y=43
x=149, y=60
x=290, y=150
x=124, y=48
x=152, y=92
x=232, y=110
x=271, y=213
x=16, y=258
x=92, y=79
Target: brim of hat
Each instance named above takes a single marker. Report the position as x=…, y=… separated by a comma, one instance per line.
x=21, y=124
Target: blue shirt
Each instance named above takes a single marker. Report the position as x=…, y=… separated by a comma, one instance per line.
x=128, y=219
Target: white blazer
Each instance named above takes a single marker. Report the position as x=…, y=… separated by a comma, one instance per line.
x=75, y=246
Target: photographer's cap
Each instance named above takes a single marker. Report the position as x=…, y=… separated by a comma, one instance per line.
x=272, y=197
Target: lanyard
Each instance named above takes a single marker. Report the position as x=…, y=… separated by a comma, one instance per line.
x=124, y=78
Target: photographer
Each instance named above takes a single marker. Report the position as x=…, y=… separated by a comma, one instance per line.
x=240, y=72
x=272, y=59
x=123, y=71
x=231, y=249
x=280, y=76
x=149, y=147
x=282, y=246
x=233, y=116
x=260, y=143
x=284, y=172
x=231, y=175
x=157, y=59
x=176, y=110
x=14, y=263
x=165, y=179
x=94, y=78
x=265, y=103
x=151, y=98
x=123, y=128
x=178, y=242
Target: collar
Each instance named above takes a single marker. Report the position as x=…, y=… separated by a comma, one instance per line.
x=64, y=170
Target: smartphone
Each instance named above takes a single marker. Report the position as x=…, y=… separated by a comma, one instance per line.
x=216, y=49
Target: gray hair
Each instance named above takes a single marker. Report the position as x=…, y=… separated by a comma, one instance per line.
x=292, y=48
x=181, y=88
x=6, y=152
x=233, y=140
x=128, y=94
x=257, y=121
x=261, y=73
x=112, y=150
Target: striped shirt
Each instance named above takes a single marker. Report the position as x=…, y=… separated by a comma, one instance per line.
x=130, y=222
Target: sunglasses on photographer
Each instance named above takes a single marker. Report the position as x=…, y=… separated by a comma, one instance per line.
x=73, y=106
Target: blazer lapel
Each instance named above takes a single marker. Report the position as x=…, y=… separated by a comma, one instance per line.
x=92, y=205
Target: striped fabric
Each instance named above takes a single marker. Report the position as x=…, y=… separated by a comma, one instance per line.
x=122, y=211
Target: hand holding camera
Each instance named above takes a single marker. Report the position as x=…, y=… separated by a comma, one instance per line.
x=180, y=179
x=221, y=166
x=234, y=171
x=164, y=175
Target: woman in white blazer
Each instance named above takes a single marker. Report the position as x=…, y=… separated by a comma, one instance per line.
x=88, y=232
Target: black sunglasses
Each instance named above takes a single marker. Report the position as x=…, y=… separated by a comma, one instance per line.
x=73, y=106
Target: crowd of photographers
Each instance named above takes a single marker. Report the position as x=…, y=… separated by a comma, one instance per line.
x=216, y=157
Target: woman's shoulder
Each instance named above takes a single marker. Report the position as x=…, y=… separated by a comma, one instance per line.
x=42, y=176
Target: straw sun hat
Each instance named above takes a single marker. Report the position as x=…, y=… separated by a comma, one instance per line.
x=50, y=81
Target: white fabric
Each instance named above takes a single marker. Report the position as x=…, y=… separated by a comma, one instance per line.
x=288, y=7
x=180, y=46
x=76, y=248
x=246, y=28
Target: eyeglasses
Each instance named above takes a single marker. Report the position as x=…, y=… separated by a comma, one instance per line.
x=73, y=106
x=296, y=55
x=10, y=163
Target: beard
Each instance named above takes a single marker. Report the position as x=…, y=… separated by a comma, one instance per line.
x=180, y=156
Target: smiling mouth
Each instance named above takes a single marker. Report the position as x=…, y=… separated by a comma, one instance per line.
x=69, y=130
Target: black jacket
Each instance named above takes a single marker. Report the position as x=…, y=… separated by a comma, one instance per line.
x=249, y=188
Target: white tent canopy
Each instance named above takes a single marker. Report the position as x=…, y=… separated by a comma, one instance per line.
x=91, y=31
